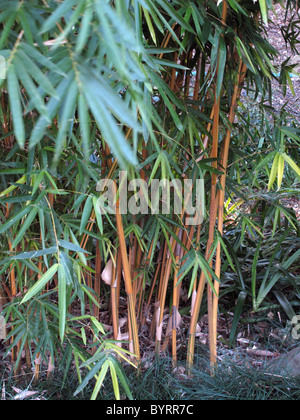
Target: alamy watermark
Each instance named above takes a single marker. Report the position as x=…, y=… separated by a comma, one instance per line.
x=2, y=328
x=158, y=196
x=2, y=68
x=296, y=329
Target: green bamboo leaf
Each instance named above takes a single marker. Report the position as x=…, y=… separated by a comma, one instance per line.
x=25, y=226
x=36, y=73
x=38, y=57
x=193, y=279
x=34, y=254
x=15, y=219
x=31, y=89
x=98, y=325
x=62, y=300
x=286, y=305
x=175, y=15
x=235, y=5
x=155, y=168
x=223, y=245
x=245, y=55
x=66, y=120
x=274, y=171
x=209, y=272
x=263, y=163
x=122, y=378
x=290, y=83
x=71, y=22
x=264, y=11
x=100, y=380
x=98, y=215
x=108, y=125
x=86, y=214
x=62, y=9
x=71, y=247
x=15, y=105
x=267, y=286
x=291, y=163
x=7, y=28
x=254, y=270
x=66, y=262
x=190, y=261
x=81, y=255
x=280, y=171
x=26, y=26
x=84, y=31
x=52, y=107
x=222, y=56
x=237, y=315
x=150, y=25
x=166, y=91
x=13, y=187
x=100, y=357
x=114, y=378
x=98, y=85
x=85, y=124
x=41, y=283
x=236, y=262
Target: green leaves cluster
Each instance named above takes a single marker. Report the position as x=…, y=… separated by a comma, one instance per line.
x=83, y=74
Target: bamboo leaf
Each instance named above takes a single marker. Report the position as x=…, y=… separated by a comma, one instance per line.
x=280, y=171
x=62, y=301
x=66, y=120
x=114, y=380
x=274, y=172
x=222, y=55
x=291, y=163
x=41, y=283
x=122, y=378
x=13, y=187
x=36, y=73
x=254, y=271
x=94, y=94
x=85, y=124
x=15, y=105
x=71, y=247
x=286, y=305
x=150, y=25
x=237, y=315
x=25, y=226
x=98, y=215
x=15, y=219
x=93, y=372
x=32, y=91
x=100, y=380
x=34, y=254
x=57, y=14
x=86, y=213
x=264, y=11
x=223, y=245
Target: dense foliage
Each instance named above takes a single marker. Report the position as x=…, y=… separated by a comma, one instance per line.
x=93, y=87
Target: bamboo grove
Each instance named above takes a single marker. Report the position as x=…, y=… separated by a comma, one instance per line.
x=92, y=88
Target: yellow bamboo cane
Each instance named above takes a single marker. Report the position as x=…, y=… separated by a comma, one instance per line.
x=133, y=330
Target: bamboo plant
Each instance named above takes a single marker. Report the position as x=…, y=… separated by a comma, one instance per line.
x=93, y=88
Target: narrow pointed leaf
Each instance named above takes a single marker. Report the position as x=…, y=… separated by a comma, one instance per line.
x=15, y=105
x=41, y=283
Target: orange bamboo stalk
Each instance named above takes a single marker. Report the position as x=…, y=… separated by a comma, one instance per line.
x=221, y=192
x=133, y=331
x=176, y=295
x=114, y=303
x=147, y=307
x=97, y=285
x=212, y=222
